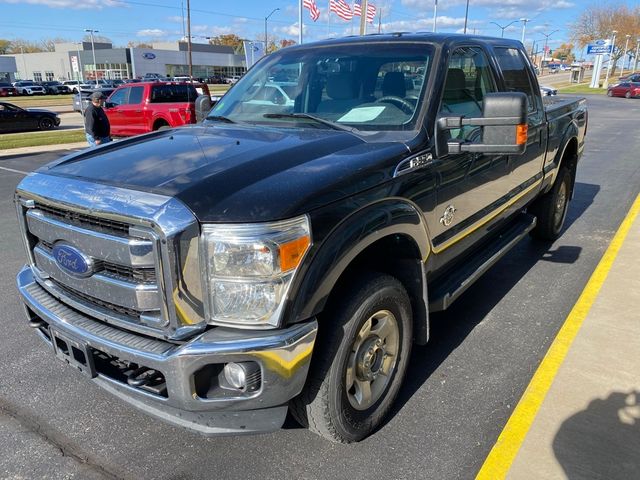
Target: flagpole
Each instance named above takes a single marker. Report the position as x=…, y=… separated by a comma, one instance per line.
x=299, y=23
x=328, y=18
x=363, y=17
x=435, y=15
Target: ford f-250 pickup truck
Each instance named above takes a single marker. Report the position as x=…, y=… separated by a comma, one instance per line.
x=286, y=255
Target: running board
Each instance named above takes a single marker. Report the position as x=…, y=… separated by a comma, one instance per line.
x=455, y=283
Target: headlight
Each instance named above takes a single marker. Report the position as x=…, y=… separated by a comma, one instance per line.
x=249, y=269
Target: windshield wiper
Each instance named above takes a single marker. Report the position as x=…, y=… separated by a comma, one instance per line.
x=219, y=118
x=307, y=116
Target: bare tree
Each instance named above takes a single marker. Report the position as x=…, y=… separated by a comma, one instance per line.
x=598, y=22
x=20, y=45
x=49, y=44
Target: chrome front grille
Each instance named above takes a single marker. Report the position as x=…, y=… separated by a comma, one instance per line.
x=141, y=248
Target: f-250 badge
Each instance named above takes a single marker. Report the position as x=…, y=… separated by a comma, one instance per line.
x=447, y=218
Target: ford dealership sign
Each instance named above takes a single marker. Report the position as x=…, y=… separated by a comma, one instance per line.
x=149, y=55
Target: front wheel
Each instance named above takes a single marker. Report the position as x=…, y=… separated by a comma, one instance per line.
x=45, y=123
x=627, y=95
x=551, y=209
x=361, y=356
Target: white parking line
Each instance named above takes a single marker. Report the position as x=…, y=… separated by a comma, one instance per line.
x=14, y=171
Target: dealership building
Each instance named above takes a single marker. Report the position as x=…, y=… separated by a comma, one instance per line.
x=71, y=61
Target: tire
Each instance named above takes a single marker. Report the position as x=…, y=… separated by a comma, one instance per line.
x=627, y=95
x=551, y=209
x=359, y=362
x=45, y=123
x=161, y=125
x=609, y=93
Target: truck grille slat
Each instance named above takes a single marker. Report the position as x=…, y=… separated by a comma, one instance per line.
x=87, y=221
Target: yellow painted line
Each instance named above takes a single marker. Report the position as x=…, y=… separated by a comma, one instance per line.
x=510, y=440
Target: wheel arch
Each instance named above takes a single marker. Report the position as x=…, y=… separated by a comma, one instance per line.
x=388, y=237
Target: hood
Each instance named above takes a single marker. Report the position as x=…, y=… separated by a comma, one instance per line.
x=232, y=173
x=40, y=110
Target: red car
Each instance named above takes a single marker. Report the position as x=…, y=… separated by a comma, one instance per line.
x=624, y=89
x=7, y=90
x=136, y=108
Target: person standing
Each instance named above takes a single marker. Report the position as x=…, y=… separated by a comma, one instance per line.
x=96, y=123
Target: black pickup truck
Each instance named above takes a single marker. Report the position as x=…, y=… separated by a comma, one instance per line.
x=286, y=253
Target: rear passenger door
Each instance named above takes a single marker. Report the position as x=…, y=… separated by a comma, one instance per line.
x=471, y=186
x=526, y=169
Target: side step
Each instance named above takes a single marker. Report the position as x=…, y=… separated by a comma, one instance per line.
x=453, y=284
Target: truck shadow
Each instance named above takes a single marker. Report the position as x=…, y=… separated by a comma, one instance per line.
x=449, y=329
x=603, y=440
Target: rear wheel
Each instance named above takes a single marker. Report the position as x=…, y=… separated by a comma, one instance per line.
x=361, y=356
x=160, y=125
x=551, y=209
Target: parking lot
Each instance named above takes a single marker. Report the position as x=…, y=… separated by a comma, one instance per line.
x=461, y=388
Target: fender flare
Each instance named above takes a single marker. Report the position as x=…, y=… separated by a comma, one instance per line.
x=572, y=131
x=354, y=234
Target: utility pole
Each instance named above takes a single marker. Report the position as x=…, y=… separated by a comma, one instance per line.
x=93, y=51
x=544, y=50
x=524, y=27
x=466, y=16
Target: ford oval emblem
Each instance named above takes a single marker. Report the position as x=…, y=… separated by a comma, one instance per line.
x=72, y=260
x=149, y=55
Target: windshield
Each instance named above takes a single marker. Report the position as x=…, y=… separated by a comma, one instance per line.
x=372, y=86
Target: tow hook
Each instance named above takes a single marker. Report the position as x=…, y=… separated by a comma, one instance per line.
x=141, y=376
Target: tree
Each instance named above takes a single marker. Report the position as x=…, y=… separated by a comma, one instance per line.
x=598, y=22
x=285, y=42
x=229, y=40
x=5, y=46
x=96, y=38
x=20, y=45
x=133, y=44
x=48, y=44
x=565, y=53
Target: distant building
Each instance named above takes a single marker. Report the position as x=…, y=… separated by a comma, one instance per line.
x=71, y=61
x=8, y=69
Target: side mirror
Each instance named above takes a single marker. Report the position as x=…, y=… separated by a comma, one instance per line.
x=503, y=123
x=109, y=104
x=203, y=106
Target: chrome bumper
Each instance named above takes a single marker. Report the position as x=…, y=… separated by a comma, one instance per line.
x=282, y=355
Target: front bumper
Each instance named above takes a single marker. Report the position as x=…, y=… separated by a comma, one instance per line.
x=282, y=355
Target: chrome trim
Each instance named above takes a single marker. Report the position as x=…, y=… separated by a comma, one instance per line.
x=411, y=164
x=283, y=355
x=124, y=251
x=172, y=228
x=138, y=297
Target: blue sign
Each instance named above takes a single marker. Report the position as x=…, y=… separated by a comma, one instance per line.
x=72, y=260
x=599, y=47
x=149, y=55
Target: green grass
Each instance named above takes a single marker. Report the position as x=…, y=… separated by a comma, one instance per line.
x=17, y=140
x=582, y=88
x=40, y=100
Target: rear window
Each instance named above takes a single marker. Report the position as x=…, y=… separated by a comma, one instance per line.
x=173, y=94
x=515, y=74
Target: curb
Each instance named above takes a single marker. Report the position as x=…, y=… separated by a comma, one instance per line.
x=13, y=152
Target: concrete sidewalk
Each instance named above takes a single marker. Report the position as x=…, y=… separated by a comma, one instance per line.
x=13, y=152
x=588, y=426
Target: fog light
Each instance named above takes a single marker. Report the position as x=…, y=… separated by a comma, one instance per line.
x=243, y=376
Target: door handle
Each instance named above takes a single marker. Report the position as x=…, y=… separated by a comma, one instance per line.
x=138, y=111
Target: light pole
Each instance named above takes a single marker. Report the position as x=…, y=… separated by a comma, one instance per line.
x=524, y=27
x=613, y=47
x=93, y=52
x=265, y=29
x=544, y=50
x=466, y=16
x=505, y=27
x=626, y=46
x=635, y=59
x=435, y=14
x=80, y=75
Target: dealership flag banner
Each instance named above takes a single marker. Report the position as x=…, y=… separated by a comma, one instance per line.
x=341, y=9
x=371, y=10
x=253, y=51
x=314, y=12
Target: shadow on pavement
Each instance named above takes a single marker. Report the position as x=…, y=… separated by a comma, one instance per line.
x=602, y=441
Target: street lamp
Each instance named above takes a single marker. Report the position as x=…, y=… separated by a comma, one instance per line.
x=466, y=16
x=626, y=46
x=505, y=27
x=93, y=51
x=613, y=47
x=524, y=27
x=544, y=50
x=265, y=28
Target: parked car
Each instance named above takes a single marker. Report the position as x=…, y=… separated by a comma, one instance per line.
x=233, y=79
x=27, y=87
x=270, y=260
x=547, y=91
x=84, y=94
x=131, y=80
x=148, y=106
x=153, y=76
x=15, y=119
x=216, y=80
x=7, y=90
x=631, y=77
x=76, y=85
x=624, y=89
x=55, y=88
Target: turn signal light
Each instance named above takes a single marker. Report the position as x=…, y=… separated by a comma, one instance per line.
x=521, y=134
x=291, y=252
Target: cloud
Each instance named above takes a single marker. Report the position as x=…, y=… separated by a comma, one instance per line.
x=426, y=24
x=152, y=32
x=290, y=30
x=81, y=5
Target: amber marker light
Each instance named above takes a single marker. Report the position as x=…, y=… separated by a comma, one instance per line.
x=291, y=253
x=521, y=134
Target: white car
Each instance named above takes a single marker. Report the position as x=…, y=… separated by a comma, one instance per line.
x=27, y=87
x=76, y=85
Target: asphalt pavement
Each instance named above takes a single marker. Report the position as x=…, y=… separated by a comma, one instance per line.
x=460, y=390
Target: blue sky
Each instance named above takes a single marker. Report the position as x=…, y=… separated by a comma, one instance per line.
x=161, y=20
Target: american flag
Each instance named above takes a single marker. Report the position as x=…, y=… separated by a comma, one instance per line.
x=371, y=10
x=341, y=8
x=314, y=13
